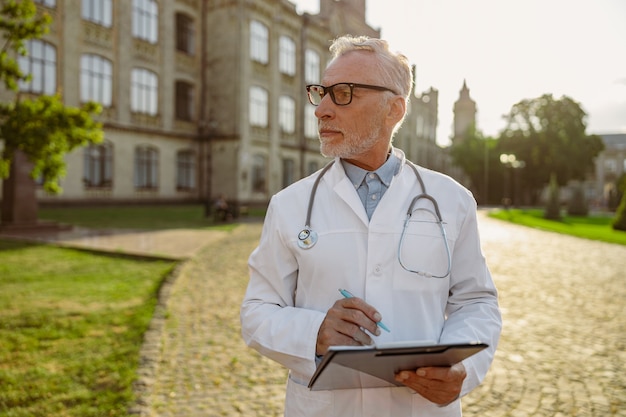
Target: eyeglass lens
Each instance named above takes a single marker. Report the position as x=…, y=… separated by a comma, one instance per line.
x=341, y=94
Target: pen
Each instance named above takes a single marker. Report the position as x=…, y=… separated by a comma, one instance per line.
x=347, y=294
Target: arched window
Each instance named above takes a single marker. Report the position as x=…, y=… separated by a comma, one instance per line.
x=186, y=170
x=144, y=92
x=98, y=11
x=98, y=165
x=259, y=169
x=41, y=63
x=96, y=79
x=146, y=20
x=259, y=42
x=146, y=167
x=287, y=114
x=287, y=55
x=259, y=102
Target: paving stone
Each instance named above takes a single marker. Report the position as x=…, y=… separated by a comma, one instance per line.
x=562, y=350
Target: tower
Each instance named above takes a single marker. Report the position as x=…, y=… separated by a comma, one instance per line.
x=464, y=113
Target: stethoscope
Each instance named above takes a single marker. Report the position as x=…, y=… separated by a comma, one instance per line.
x=307, y=237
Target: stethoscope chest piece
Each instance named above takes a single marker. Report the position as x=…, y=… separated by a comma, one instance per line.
x=307, y=238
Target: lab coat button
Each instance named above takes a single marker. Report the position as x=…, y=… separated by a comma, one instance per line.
x=377, y=269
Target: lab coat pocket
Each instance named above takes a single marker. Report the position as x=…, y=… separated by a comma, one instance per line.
x=301, y=401
x=424, y=248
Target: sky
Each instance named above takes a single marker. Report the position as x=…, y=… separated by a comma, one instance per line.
x=508, y=51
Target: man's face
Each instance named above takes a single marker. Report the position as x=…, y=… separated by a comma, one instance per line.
x=353, y=130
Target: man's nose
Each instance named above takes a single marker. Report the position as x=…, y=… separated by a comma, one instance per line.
x=326, y=108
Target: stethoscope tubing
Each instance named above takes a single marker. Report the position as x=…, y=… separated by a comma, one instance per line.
x=307, y=237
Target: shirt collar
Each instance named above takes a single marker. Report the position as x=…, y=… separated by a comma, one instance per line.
x=385, y=172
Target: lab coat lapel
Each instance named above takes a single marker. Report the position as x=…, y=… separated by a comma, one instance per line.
x=344, y=189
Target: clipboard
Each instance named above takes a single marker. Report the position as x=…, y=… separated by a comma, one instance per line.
x=345, y=367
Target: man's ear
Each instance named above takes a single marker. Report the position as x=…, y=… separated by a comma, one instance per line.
x=397, y=108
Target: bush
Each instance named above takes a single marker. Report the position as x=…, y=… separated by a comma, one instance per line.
x=619, y=223
x=577, y=205
x=553, y=208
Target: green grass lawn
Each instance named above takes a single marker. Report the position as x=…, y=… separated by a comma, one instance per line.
x=71, y=326
x=72, y=322
x=595, y=227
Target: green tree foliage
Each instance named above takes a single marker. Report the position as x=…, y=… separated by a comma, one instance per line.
x=43, y=128
x=477, y=156
x=619, y=223
x=19, y=21
x=548, y=134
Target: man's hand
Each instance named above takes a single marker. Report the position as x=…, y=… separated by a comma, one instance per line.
x=439, y=385
x=345, y=323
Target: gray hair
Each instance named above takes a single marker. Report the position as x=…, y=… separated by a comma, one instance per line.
x=394, y=66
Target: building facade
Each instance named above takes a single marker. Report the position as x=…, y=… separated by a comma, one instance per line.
x=201, y=97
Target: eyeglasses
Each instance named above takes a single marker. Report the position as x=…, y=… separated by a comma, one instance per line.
x=340, y=93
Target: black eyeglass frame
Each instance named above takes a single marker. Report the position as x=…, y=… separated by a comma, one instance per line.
x=330, y=90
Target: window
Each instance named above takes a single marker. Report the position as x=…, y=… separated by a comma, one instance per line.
x=258, y=106
x=145, y=20
x=184, y=101
x=185, y=170
x=311, y=67
x=259, y=39
x=287, y=114
x=184, y=33
x=287, y=55
x=96, y=80
x=288, y=172
x=41, y=63
x=144, y=92
x=310, y=122
x=98, y=165
x=146, y=167
x=259, y=163
x=47, y=3
x=98, y=11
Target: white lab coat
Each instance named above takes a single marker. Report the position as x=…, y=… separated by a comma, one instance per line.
x=290, y=288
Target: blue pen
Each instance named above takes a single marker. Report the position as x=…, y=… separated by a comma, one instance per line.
x=347, y=294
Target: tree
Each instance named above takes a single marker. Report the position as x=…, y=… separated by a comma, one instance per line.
x=549, y=136
x=41, y=128
x=619, y=223
x=476, y=155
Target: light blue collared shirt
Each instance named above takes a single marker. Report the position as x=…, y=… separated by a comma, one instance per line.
x=371, y=186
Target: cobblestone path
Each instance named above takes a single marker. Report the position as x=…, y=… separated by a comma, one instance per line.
x=562, y=351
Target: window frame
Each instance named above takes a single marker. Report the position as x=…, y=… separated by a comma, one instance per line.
x=259, y=42
x=312, y=67
x=144, y=91
x=184, y=100
x=40, y=64
x=146, y=167
x=98, y=165
x=145, y=20
x=186, y=170
x=98, y=11
x=287, y=114
x=185, y=33
x=287, y=55
x=259, y=106
x=96, y=79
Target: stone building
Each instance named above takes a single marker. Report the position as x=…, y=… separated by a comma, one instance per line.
x=610, y=166
x=464, y=114
x=201, y=97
